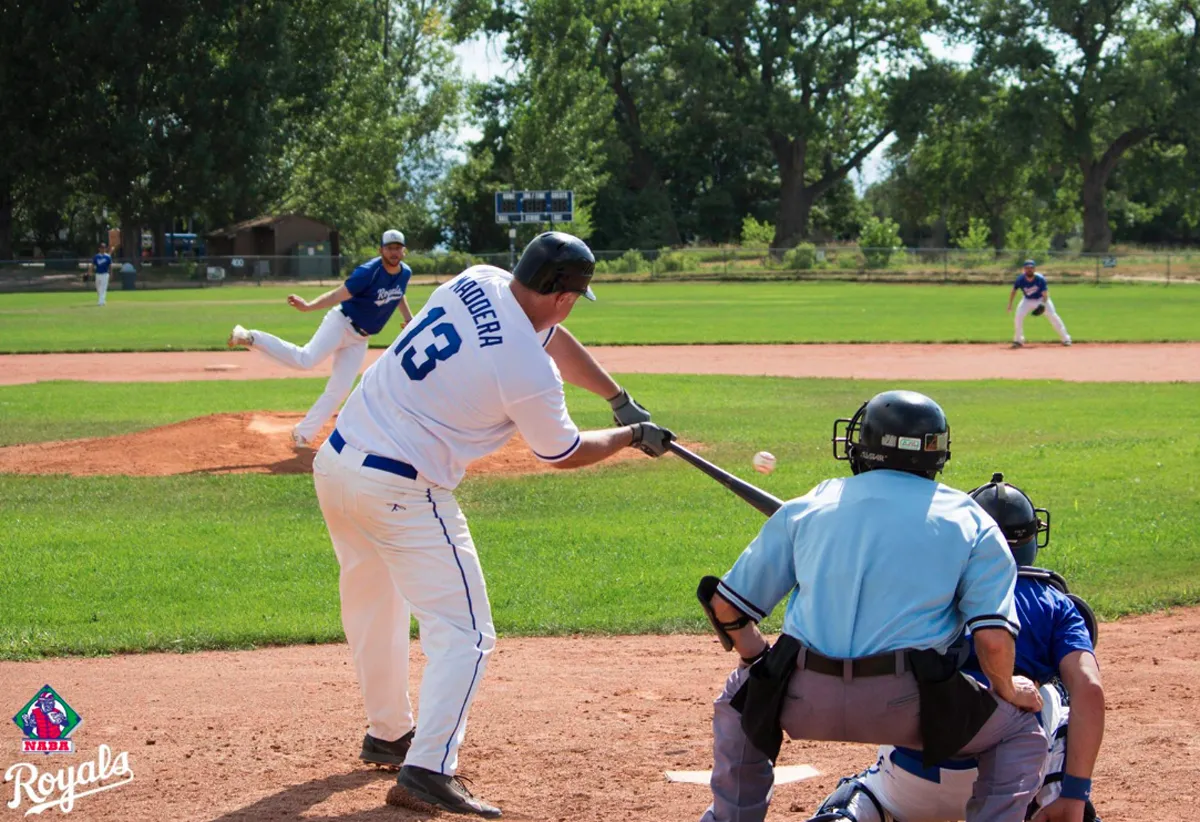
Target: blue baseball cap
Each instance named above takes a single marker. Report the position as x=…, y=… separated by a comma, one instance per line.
x=1030, y=264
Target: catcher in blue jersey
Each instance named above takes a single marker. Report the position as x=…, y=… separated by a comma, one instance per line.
x=1055, y=648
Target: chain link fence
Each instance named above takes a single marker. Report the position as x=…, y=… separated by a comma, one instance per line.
x=806, y=262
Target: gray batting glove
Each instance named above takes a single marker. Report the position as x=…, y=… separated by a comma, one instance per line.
x=626, y=410
x=650, y=438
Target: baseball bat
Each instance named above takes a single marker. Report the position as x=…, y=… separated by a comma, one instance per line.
x=758, y=498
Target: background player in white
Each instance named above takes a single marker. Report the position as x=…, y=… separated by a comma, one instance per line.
x=357, y=309
x=1036, y=299
x=484, y=359
x=100, y=265
x=1055, y=648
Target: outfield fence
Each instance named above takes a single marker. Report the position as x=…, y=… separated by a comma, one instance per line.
x=806, y=262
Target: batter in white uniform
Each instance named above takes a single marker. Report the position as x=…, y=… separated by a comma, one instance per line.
x=484, y=359
x=360, y=308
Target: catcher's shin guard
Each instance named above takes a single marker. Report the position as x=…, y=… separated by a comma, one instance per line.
x=851, y=801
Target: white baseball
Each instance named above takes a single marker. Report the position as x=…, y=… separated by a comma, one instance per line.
x=763, y=462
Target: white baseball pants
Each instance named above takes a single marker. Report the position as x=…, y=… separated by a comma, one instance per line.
x=101, y=287
x=404, y=544
x=1026, y=306
x=334, y=336
x=941, y=794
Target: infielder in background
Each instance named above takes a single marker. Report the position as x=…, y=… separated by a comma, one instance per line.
x=1055, y=649
x=881, y=572
x=357, y=309
x=100, y=266
x=484, y=359
x=1035, y=300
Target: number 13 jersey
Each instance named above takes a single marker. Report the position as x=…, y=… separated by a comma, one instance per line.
x=466, y=374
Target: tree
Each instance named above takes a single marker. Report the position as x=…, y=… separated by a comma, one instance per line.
x=795, y=76
x=589, y=110
x=161, y=111
x=374, y=155
x=978, y=153
x=200, y=97
x=47, y=109
x=1102, y=76
x=602, y=99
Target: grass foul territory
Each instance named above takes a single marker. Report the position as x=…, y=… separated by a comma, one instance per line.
x=630, y=313
x=106, y=564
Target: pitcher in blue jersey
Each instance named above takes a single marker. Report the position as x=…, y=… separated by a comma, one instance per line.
x=881, y=571
x=358, y=308
x=1056, y=648
x=1035, y=299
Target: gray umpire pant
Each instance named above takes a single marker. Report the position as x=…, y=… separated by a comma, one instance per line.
x=883, y=710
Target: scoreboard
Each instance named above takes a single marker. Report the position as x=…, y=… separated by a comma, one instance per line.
x=535, y=206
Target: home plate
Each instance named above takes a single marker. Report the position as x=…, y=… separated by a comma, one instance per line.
x=783, y=775
x=221, y=367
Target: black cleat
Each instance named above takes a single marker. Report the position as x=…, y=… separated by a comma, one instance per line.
x=382, y=752
x=443, y=791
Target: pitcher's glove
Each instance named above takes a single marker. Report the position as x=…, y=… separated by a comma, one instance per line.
x=626, y=410
x=650, y=438
x=1040, y=310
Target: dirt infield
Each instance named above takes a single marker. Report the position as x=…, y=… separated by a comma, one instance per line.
x=248, y=443
x=1115, y=362
x=572, y=729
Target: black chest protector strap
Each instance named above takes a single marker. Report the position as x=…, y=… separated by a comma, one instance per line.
x=953, y=706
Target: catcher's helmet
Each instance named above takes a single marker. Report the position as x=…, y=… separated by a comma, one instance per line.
x=902, y=430
x=555, y=261
x=1013, y=511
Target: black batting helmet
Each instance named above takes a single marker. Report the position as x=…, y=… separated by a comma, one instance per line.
x=555, y=261
x=1013, y=511
x=902, y=430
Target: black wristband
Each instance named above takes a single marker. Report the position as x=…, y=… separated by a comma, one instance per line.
x=750, y=660
x=735, y=624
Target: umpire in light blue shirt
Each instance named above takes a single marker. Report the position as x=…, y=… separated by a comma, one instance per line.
x=882, y=572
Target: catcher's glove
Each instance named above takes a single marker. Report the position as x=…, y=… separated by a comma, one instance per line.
x=1040, y=310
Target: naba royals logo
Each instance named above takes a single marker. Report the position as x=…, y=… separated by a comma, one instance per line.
x=46, y=722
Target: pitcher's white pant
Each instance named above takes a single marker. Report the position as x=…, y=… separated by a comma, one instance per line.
x=1025, y=306
x=101, y=287
x=919, y=798
x=404, y=544
x=334, y=336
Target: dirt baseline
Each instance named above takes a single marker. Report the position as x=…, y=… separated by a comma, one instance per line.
x=572, y=729
x=1109, y=362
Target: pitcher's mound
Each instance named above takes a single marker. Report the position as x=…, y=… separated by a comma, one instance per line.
x=249, y=443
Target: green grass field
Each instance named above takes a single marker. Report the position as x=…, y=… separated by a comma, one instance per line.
x=103, y=564
x=630, y=313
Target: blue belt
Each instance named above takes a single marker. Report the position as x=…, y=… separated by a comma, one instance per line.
x=907, y=759
x=392, y=466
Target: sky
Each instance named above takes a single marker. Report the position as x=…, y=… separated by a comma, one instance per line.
x=483, y=58
x=480, y=59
